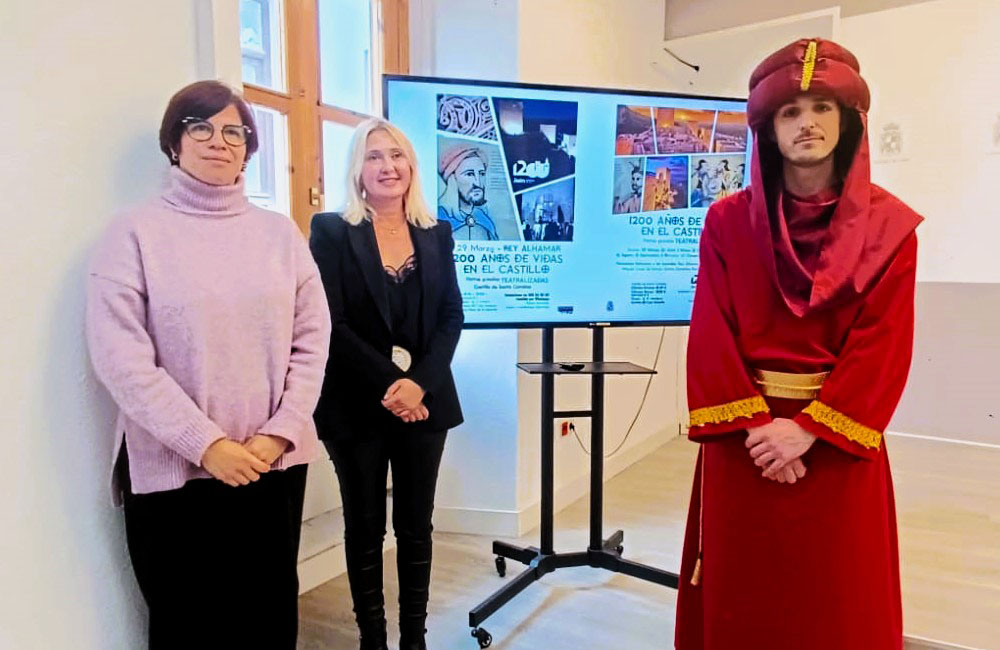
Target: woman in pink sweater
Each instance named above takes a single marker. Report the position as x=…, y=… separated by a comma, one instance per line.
x=208, y=324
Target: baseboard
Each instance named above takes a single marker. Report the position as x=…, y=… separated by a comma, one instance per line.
x=514, y=523
x=476, y=521
x=322, y=567
x=920, y=643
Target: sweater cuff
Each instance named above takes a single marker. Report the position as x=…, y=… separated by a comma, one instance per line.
x=195, y=439
x=284, y=425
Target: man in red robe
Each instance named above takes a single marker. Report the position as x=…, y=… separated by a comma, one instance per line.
x=800, y=344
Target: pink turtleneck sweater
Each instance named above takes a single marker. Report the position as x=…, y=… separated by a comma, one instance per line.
x=206, y=318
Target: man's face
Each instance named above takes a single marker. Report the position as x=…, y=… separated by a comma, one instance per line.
x=471, y=178
x=807, y=129
x=636, y=182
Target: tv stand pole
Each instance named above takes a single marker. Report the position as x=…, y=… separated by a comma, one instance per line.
x=601, y=553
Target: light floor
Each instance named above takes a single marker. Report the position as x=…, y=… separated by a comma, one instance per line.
x=948, y=499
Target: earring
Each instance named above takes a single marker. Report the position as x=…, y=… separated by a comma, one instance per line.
x=173, y=156
x=364, y=193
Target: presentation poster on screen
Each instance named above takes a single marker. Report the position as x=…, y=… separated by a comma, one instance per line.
x=571, y=205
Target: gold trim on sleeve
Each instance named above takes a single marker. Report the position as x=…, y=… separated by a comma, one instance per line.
x=744, y=408
x=845, y=426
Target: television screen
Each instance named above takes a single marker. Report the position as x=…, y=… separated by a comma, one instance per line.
x=571, y=206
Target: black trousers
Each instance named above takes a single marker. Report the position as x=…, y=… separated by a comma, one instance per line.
x=217, y=565
x=362, y=464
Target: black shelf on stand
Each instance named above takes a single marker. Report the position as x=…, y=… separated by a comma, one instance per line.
x=601, y=553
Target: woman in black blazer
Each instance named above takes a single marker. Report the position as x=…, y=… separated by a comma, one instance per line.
x=389, y=396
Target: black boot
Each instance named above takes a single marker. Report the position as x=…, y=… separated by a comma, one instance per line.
x=364, y=572
x=413, y=562
x=413, y=641
x=374, y=639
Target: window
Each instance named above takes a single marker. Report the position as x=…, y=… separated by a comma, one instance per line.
x=312, y=71
x=262, y=43
x=347, y=66
x=267, y=177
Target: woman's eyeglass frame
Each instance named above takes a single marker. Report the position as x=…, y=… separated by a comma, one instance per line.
x=229, y=131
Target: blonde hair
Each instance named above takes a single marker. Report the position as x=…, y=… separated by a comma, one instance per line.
x=358, y=209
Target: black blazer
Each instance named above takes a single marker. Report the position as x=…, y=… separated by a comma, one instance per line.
x=360, y=368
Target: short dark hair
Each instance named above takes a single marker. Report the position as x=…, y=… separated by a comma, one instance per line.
x=203, y=99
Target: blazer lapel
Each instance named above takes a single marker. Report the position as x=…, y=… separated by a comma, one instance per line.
x=429, y=258
x=365, y=249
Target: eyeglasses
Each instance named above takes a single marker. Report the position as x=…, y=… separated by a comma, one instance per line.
x=202, y=130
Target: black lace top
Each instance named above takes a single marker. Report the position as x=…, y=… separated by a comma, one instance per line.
x=405, y=298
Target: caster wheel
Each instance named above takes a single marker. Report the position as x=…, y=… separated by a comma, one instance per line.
x=501, y=563
x=484, y=638
x=620, y=549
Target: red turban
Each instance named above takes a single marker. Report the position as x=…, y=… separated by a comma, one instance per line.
x=868, y=224
x=813, y=66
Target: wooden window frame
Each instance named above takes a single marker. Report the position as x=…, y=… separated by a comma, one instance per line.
x=302, y=104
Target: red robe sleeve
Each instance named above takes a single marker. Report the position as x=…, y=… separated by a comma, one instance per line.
x=722, y=397
x=860, y=395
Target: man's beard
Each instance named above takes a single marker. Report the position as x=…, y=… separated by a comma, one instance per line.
x=465, y=198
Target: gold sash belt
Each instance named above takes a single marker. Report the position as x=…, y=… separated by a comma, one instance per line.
x=790, y=385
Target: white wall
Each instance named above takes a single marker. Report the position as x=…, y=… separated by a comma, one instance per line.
x=591, y=42
x=478, y=478
x=691, y=17
x=937, y=80
x=472, y=39
x=726, y=58
x=86, y=86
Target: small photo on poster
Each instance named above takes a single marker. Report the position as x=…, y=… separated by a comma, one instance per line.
x=634, y=135
x=463, y=115
x=629, y=179
x=714, y=177
x=666, y=183
x=547, y=211
x=682, y=130
x=473, y=195
x=730, y=133
x=539, y=140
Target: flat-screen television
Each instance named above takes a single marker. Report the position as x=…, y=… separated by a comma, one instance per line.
x=571, y=206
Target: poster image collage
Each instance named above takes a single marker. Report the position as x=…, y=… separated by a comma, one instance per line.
x=674, y=158
x=506, y=168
